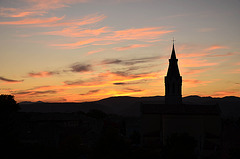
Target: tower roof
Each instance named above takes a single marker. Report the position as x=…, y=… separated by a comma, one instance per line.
x=173, y=55
x=173, y=70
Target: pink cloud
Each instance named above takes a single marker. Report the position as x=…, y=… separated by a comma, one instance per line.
x=58, y=21
x=37, y=7
x=186, y=55
x=76, y=45
x=215, y=47
x=89, y=19
x=234, y=71
x=52, y=4
x=238, y=63
x=204, y=54
x=16, y=13
x=195, y=71
x=131, y=47
x=95, y=51
x=140, y=33
x=195, y=82
x=226, y=93
x=111, y=37
x=75, y=32
x=32, y=21
x=196, y=63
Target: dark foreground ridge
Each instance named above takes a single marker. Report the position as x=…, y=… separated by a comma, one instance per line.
x=130, y=106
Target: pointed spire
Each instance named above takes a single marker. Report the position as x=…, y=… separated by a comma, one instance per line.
x=173, y=55
x=173, y=66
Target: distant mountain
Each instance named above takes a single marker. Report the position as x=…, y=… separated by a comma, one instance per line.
x=130, y=106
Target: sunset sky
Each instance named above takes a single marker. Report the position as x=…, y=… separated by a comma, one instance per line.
x=86, y=50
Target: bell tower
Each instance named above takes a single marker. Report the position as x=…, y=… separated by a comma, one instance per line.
x=173, y=81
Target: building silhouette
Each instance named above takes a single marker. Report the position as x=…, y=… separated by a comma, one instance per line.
x=161, y=120
x=173, y=81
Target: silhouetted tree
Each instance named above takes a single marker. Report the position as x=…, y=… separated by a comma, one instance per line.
x=179, y=146
x=8, y=118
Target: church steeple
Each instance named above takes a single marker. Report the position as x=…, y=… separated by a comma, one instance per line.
x=173, y=81
x=173, y=55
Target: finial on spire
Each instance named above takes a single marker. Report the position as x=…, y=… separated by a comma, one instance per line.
x=173, y=40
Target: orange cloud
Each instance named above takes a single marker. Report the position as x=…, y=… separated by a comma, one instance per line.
x=186, y=55
x=238, y=63
x=95, y=51
x=16, y=12
x=215, y=47
x=76, y=44
x=58, y=21
x=37, y=7
x=52, y=4
x=140, y=33
x=131, y=47
x=225, y=93
x=75, y=32
x=111, y=37
x=196, y=63
x=195, y=82
x=89, y=19
x=195, y=71
x=32, y=21
x=234, y=71
x=110, y=79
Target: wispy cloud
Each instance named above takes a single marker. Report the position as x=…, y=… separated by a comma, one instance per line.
x=95, y=51
x=110, y=37
x=238, y=63
x=36, y=7
x=234, y=71
x=131, y=47
x=195, y=82
x=141, y=33
x=204, y=30
x=128, y=83
x=42, y=74
x=196, y=63
x=32, y=21
x=76, y=45
x=60, y=21
x=91, y=92
x=33, y=93
x=109, y=78
x=74, y=31
x=17, y=13
x=195, y=71
x=215, y=47
x=225, y=93
x=7, y=80
x=86, y=20
x=131, y=61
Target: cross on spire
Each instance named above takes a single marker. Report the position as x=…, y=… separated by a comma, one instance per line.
x=173, y=40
